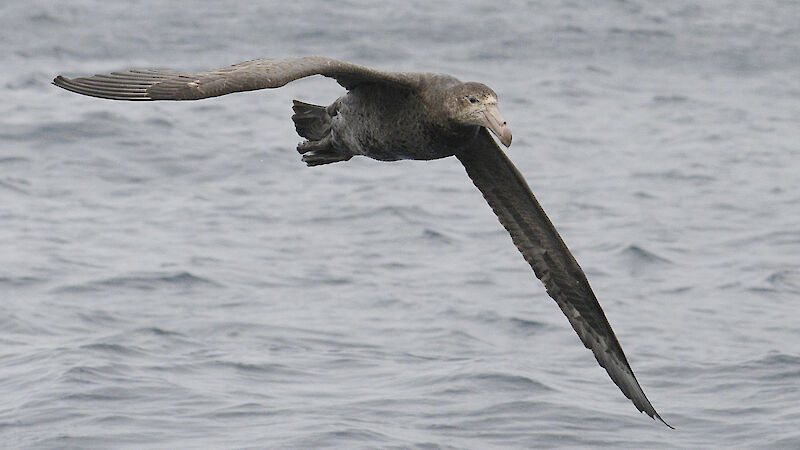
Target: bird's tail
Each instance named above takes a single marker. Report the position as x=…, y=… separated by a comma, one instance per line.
x=311, y=121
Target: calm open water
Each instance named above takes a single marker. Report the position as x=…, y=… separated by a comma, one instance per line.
x=172, y=276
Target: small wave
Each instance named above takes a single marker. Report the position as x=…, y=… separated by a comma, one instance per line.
x=246, y=410
x=778, y=359
x=525, y=327
x=597, y=69
x=274, y=372
x=102, y=395
x=96, y=317
x=407, y=213
x=575, y=29
x=676, y=175
x=87, y=374
x=46, y=18
x=13, y=159
x=436, y=237
x=142, y=282
x=97, y=383
x=641, y=33
x=770, y=367
x=158, y=122
x=500, y=409
x=785, y=280
x=115, y=349
x=324, y=439
x=15, y=326
x=635, y=255
x=504, y=382
x=65, y=131
x=781, y=238
x=669, y=99
x=481, y=382
x=22, y=281
x=312, y=279
x=13, y=185
x=158, y=332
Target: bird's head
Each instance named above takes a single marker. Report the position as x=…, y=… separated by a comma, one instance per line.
x=476, y=104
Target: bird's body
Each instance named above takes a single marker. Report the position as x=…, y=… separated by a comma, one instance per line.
x=357, y=125
x=389, y=116
x=387, y=123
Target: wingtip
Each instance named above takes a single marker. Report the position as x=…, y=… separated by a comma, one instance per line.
x=60, y=80
x=657, y=416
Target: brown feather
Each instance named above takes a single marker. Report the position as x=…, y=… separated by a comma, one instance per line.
x=247, y=76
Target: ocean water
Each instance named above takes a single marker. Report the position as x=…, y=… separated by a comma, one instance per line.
x=172, y=276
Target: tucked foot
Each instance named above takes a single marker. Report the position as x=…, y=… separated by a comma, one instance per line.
x=320, y=157
x=311, y=146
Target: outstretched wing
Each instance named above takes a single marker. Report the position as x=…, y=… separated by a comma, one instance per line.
x=534, y=235
x=246, y=76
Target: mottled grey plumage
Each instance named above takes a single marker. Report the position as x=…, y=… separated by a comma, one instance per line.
x=394, y=115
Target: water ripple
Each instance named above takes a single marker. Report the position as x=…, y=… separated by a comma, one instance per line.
x=142, y=282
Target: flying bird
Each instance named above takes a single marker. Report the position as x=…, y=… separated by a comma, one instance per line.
x=390, y=116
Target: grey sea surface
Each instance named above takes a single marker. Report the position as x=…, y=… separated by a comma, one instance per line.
x=173, y=276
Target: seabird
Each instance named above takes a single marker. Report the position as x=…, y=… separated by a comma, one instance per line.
x=390, y=116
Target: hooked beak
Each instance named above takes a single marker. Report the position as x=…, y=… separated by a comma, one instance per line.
x=496, y=124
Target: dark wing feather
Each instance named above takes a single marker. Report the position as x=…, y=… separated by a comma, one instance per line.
x=508, y=194
x=246, y=76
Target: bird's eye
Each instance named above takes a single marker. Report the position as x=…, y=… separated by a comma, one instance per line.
x=473, y=100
